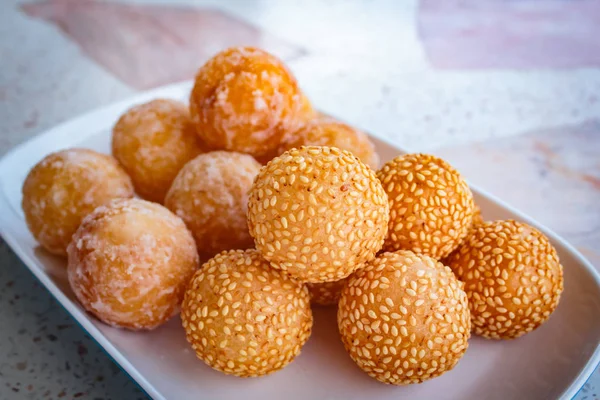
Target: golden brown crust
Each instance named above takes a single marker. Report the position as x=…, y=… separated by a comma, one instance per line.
x=404, y=318
x=152, y=142
x=210, y=194
x=512, y=276
x=243, y=317
x=317, y=213
x=129, y=263
x=431, y=206
x=63, y=188
x=245, y=99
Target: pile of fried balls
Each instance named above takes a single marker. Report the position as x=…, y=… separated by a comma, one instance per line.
x=244, y=208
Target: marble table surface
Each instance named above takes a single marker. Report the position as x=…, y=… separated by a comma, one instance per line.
x=509, y=90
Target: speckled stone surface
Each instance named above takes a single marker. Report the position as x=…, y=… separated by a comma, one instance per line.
x=429, y=75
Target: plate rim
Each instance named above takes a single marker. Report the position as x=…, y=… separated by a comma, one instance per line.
x=174, y=90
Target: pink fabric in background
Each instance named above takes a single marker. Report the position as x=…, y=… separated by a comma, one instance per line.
x=515, y=34
x=151, y=45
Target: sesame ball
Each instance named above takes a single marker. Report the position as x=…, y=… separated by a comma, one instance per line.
x=317, y=213
x=129, y=263
x=243, y=317
x=244, y=99
x=63, y=188
x=512, y=276
x=152, y=142
x=326, y=293
x=210, y=194
x=431, y=206
x=333, y=133
x=404, y=318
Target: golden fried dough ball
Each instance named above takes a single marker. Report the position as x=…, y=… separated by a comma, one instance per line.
x=63, y=188
x=431, y=206
x=404, y=318
x=152, y=142
x=318, y=213
x=210, y=194
x=245, y=99
x=512, y=276
x=243, y=317
x=130, y=262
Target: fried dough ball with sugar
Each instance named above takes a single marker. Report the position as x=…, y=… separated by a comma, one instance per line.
x=431, y=206
x=404, y=318
x=152, y=142
x=512, y=276
x=318, y=213
x=63, y=188
x=326, y=293
x=245, y=99
x=130, y=262
x=243, y=317
x=333, y=133
x=210, y=194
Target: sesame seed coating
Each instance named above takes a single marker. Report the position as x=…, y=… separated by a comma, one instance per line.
x=512, y=276
x=243, y=317
x=317, y=213
x=63, y=188
x=326, y=293
x=152, y=142
x=431, y=206
x=330, y=132
x=129, y=263
x=245, y=99
x=404, y=318
x=210, y=194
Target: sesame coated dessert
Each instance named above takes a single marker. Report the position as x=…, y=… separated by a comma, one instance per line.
x=318, y=213
x=129, y=263
x=512, y=276
x=326, y=293
x=333, y=133
x=152, y=142
x=210, y=194
x=245, y=99
x=404, y=318
x=63, y=188
x=431, y=206
x=243, y=317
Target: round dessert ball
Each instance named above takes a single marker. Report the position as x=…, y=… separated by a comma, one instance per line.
x=63, y=188
x=317, y=213
x=431, y=206
x=512, y=276
x=130, y=262
x=333, y=133
x=152, y=142
x=326, y=293
x=404, y=318
x=210, y=194
x=244, y=99
x=243, y=317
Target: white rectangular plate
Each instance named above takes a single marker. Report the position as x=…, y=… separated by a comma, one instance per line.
x=552, y=362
